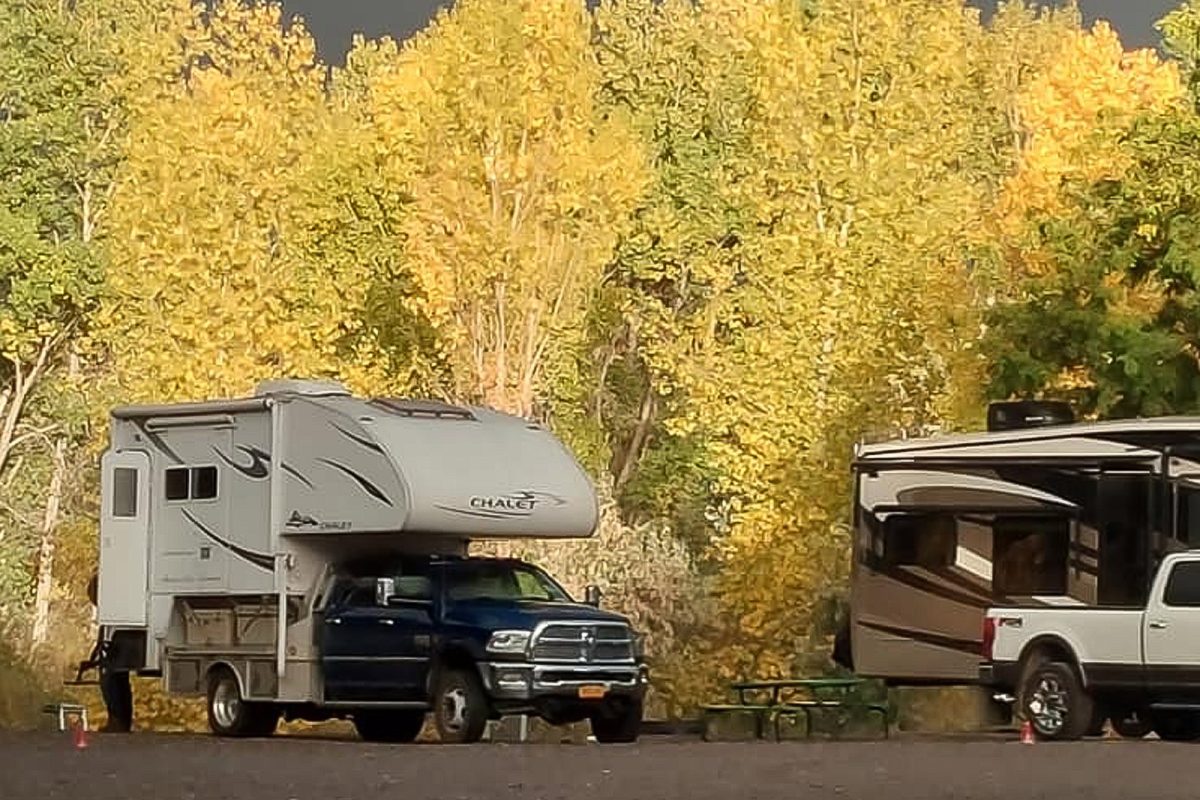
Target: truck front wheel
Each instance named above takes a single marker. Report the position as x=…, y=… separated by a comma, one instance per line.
x=231, y=715
x=460, y=707
x=1054, y=701
x=618, y=723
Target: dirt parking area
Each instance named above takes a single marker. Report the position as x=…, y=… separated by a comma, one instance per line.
x=165, y=767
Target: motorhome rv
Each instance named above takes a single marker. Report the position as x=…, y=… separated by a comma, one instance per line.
x=302, y=553
x=1038, y=511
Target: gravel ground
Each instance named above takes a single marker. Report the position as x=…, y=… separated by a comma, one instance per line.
x=166, y=767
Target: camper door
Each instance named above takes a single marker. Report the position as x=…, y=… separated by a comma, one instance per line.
x=124, y=538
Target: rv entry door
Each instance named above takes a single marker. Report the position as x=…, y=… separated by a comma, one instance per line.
x=124, y=538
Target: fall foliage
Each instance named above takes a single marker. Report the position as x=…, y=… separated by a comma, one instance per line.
x=711, y=244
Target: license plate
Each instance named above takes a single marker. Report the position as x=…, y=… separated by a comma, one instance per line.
x=592, y=692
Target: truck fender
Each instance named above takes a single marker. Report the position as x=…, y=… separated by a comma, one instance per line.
x=1055, y=648
x=237, y=676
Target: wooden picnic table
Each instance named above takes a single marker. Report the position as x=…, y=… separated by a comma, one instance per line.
x=818, y=693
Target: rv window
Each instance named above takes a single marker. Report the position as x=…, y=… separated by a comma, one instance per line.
x=204, y=483
x=1030, y=555
x=1187, y=526
x=125, y=489
x=1183, y=587
x=920, y=540
x=177, y=483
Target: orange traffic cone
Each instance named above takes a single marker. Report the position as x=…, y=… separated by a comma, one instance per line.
x=1027, y=736
x=79, y=735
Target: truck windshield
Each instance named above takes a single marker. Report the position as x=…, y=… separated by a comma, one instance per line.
x=482, y=580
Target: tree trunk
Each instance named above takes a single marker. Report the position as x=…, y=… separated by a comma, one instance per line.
x=45, y=565
x=633, y=453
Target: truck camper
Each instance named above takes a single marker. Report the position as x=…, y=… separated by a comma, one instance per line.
x=303, y=553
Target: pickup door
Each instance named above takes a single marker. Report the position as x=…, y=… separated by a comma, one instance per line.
x=1172, y=627
x=373, y=653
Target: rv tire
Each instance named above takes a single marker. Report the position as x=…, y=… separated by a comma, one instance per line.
x=1177, y=726
x=396, y=727
x=1132, y=724
x=1054, y=701
x=231, y=715
x=460, y=706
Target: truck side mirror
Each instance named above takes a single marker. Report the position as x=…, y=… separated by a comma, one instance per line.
x=591, y=595
x=385, y=589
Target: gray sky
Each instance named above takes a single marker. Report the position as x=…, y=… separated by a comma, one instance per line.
x=334, y=21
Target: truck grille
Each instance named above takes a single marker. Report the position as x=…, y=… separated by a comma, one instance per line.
x=584, y=644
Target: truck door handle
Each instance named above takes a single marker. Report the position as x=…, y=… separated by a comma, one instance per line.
x=335, y=620
x=1157, y=624
x=387, y=622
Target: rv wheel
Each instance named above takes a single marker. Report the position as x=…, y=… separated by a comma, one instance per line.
x=1132, y=724
x=460, y=707
x=230, y=715
x=1177, y=726
x=1054, y=701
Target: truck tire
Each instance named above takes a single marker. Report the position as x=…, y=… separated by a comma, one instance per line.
x=230, y=715
x=394, y=726
x=618, y=723
x=1177, y=726
x=460, y=707
x=1054, y=701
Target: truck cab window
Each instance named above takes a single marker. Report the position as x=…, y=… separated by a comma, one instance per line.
x=500, y=581
x=1183, y=587
x=1029, y=555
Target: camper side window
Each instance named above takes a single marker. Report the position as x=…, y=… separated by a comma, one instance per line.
x=191, y=483
x=920, y=540
x=1030, y=555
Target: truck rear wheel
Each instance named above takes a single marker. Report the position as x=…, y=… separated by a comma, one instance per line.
x=397, y=726
x=618, y=723
x=230, y=715
x=1054, y=701
x=460, y=707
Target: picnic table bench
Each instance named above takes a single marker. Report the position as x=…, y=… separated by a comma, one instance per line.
x=819, y=694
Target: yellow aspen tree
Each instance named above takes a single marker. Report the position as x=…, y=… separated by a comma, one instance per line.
x=208, y=291
x=519, y=188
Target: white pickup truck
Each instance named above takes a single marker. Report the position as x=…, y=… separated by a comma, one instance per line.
x=1071, y=668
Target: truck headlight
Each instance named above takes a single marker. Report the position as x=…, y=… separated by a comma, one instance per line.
x=508, y=642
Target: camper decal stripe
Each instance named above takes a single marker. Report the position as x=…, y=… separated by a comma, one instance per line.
x=256, y=469
x=290, y=470
x=367, y=443
x=367, y=486
x=158, y=442
x=973, y=646
x=262, y=560
x=945, y=592
x=466, y=512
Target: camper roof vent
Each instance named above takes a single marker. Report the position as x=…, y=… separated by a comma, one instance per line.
x=1011, y=415
x=294, y=386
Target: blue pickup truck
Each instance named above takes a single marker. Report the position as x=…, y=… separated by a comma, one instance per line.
x=472, y=639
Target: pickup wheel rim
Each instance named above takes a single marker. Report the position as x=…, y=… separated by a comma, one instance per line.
x=226, y=704
x=1048, y=706
x=454, y=708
